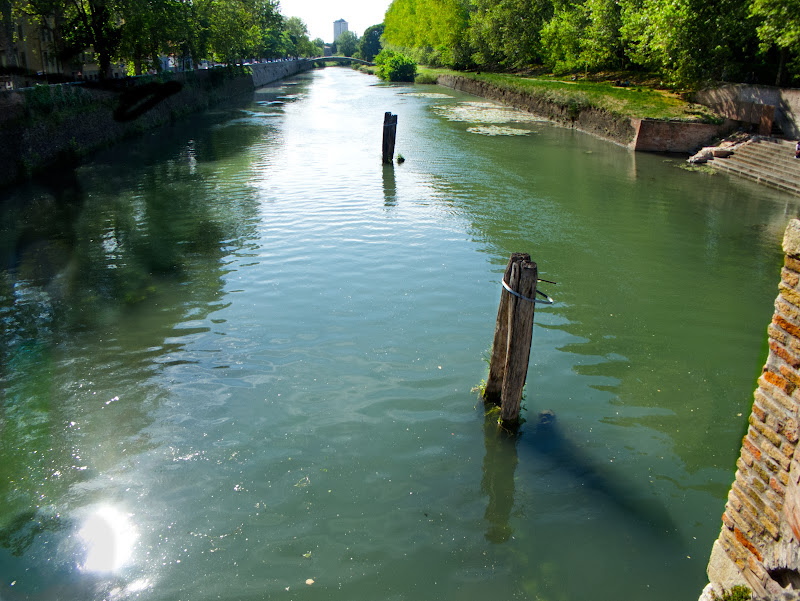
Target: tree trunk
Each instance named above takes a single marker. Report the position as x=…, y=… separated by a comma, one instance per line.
x=7, y=34
x=781, y=65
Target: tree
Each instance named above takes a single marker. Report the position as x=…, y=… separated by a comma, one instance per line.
x=370, y=43
x=601, y=43
x=244, y=28
x=506, y=34
x=437, y=28
x=687, y=40
x=7, y=34
x=779, y=26
x=347, y=43
x=561, y=38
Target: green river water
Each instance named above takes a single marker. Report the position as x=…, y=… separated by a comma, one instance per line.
x=237, y=358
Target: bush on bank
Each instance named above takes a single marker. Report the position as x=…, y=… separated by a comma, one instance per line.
x=395, y=66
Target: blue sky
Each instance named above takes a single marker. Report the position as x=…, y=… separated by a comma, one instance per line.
x=319, y=15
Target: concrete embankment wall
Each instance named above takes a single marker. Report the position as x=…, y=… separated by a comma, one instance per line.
x=759, y=543
x=739, y=99
x=638, y=134
x=44, y=126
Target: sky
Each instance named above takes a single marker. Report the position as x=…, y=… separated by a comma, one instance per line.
x=319, y=15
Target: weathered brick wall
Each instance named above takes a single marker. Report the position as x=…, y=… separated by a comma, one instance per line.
x=653, y=135
x=759, y=544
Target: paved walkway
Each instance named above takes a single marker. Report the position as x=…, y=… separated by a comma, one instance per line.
x=769, y=161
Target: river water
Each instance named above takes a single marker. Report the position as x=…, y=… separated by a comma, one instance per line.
x=238, y=357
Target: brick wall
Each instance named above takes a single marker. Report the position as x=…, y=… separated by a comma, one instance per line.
x=759, y=543
x=653, y=135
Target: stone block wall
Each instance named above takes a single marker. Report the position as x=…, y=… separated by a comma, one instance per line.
x=759, y=543
x=34, y=144
x=736, y=98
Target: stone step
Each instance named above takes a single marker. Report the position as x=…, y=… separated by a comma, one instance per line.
x=757, y=175
x=757, y=170
x=768, y=162
x=774, y=166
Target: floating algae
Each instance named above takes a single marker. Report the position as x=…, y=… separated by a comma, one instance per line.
x=425, y=95
x=497, y=130
x=484, y=112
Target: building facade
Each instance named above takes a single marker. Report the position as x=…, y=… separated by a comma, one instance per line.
x=339, y=27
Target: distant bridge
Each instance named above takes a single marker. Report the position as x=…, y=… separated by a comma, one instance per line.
x=339, y=58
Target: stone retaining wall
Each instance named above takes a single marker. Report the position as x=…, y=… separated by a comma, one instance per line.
x=638, y=134
x=675, y=136
x=759, y=543
x=737, y=98
x=31, y=144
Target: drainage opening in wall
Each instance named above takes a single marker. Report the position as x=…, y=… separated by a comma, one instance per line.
x=786, y=577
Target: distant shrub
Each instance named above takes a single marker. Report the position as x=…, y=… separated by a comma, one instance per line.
x=428, y=78
x=44, y=99
x=395, y=66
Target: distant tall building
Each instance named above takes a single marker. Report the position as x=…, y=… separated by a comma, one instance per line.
x=339, y=27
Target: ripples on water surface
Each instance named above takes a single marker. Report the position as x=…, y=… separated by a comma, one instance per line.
x=238, y=353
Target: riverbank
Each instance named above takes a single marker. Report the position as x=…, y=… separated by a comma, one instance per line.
x=681, y=127
x=49, y=125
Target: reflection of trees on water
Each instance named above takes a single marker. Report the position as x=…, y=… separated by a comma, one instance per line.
x=97, y=276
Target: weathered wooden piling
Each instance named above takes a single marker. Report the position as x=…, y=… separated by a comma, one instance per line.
x=497, y=363
x=511, y=349
x=389, y=135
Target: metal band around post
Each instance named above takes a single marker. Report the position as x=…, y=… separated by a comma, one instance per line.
x=549, y=300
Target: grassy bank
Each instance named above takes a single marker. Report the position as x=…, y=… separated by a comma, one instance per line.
x=635, y=101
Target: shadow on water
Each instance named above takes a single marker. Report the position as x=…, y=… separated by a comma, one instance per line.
x=546, y=440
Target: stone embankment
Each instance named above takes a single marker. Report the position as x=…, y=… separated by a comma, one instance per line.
x=759, y=543
x=765, y=160
x=45, y=126
x=638, y=134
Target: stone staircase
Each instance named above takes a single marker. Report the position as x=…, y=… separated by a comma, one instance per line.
x=769, y=161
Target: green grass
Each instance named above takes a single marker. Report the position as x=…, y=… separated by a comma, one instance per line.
x=637, y=101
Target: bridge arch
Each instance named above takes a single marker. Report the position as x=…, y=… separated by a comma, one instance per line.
x=339, y=58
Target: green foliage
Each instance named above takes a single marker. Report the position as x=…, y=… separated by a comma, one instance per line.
x=686, y=41
x=779, y=27
x=395, y=66
x=436, y=27
x=506, y=33
x=577, y=95
x=370, y=43
x=737, y=593
x=44, y=99
x=561, y=37
x=426, y=78
x=346, y=43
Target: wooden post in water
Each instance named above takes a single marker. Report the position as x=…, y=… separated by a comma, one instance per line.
x=513, y=334
x=389, y=135
x=497, y=364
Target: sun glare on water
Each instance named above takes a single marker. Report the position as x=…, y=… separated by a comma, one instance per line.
x=109, y=538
